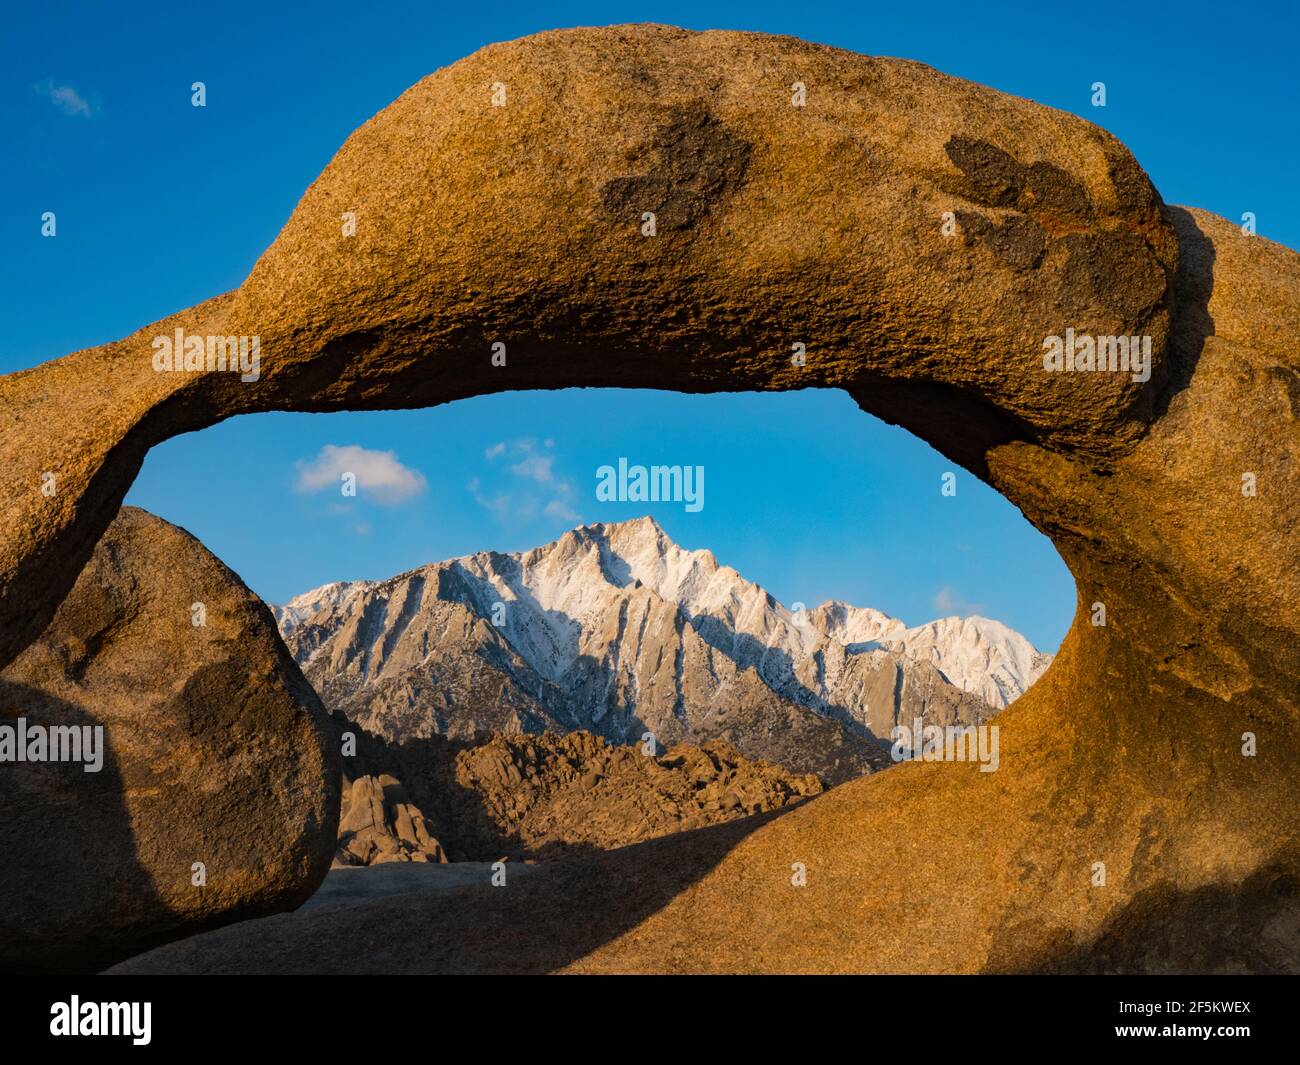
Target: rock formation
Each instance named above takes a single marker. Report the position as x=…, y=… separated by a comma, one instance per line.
x=378, y=823
x=1160, y=748
x=216, y=795
x=547, y=796
x=820, y=224
x=614, y=629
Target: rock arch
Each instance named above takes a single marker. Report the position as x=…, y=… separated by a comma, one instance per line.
x=820, y=224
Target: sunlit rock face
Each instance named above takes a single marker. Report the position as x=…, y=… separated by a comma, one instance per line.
x=1170, y=492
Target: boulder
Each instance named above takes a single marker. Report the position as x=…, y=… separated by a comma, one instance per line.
x=207, y=785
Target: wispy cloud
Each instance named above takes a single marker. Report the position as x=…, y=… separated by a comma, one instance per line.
x=67, y=99
x=535, y=468
x=380, y=477
x=497, y=505
x=533, y=488
x=948, y=602
x=557, y=508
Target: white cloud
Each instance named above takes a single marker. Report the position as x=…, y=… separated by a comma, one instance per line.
x=533, y=488
x=66, y=99
x=948, y=602
x=381, y=478
x=535, y=468
x=558, y=509
x=499, y=505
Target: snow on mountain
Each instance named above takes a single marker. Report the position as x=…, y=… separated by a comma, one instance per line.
x=977, y=654
x=617, y=629
x=855, y=627
x=327, y=596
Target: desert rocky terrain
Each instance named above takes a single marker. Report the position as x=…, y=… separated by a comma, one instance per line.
x=1144, y=817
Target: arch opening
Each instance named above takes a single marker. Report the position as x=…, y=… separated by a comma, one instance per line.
x=760, y=601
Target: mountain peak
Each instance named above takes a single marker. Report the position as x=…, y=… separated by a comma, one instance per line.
x=327, y=597
x=615, y=629
x=571, y=583
x=646, y=521
x=642, y=528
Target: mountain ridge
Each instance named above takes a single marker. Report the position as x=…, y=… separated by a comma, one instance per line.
x=616, y=629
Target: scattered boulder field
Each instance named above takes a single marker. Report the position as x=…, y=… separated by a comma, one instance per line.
x=542, y=797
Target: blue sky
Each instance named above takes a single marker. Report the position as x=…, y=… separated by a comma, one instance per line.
x=161, y=204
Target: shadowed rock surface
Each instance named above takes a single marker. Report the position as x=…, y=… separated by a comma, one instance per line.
x=217, y=751
x=542, y=796
x=819, y=224
x=350, y=885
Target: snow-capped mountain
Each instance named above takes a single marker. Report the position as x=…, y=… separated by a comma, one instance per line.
x=977, y=654
x=618, y=630
x=326, y=597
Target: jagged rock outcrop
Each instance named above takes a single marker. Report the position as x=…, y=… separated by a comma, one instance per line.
x=616, y=630
x=378, y=823
x=1162, y=744
x=543, y=796
x=216, y=793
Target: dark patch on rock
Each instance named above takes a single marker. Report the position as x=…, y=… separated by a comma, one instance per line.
x=1138, y=199
x=700, y=162
x=994, y=176
x=1118, y=269
x=1052, y=190
x=1018, y=241
x=1289, y=381
x=1133, y=189
x=997, y=179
